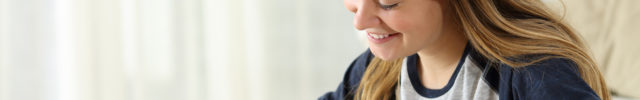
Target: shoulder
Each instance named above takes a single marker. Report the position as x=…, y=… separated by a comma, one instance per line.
x=554, y=78
x=560, y=67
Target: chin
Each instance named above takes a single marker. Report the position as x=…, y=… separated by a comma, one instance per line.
x=385, y=54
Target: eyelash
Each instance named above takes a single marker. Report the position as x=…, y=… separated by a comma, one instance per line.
x=388, y=7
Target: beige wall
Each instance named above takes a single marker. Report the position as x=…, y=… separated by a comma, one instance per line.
x=174, y=49
x=610, y=28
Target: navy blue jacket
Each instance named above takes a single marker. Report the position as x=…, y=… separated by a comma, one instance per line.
x=551, y=79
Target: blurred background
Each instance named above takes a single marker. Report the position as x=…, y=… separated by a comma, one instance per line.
x=230, y=49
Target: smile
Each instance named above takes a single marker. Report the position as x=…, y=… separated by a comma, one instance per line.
x=380, y=38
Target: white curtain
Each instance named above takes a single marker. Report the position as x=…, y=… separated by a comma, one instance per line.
x=173, y=49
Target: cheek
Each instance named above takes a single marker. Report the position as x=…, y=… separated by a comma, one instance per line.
x=418, y=26
x=401, y=22
x=418, y=20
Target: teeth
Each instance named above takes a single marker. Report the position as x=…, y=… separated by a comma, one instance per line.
x=376, y=36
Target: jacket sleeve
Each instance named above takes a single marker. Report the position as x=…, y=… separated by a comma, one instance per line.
x=346, y=88
x=551, y=79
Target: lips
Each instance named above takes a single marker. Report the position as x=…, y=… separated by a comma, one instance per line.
x=378, y=38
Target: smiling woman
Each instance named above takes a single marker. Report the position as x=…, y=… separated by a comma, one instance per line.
x=467, y=49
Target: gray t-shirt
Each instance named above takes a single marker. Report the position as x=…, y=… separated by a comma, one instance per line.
x=466, y=83
x=478, y=78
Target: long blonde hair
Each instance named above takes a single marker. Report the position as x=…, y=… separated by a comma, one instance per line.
x=498, y=30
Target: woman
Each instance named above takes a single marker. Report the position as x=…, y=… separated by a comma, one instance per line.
x=467, y=49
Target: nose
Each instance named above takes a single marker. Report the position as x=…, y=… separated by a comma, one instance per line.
x=365, y=13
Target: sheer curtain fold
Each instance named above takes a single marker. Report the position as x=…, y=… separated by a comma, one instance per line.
x=173, y=49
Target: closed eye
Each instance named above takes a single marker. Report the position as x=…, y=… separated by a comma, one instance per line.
x=388, y=7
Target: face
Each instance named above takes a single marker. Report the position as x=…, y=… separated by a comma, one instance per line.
x=398, y=28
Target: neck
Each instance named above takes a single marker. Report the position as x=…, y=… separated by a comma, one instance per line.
x=443, y=53
x=438, y=61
